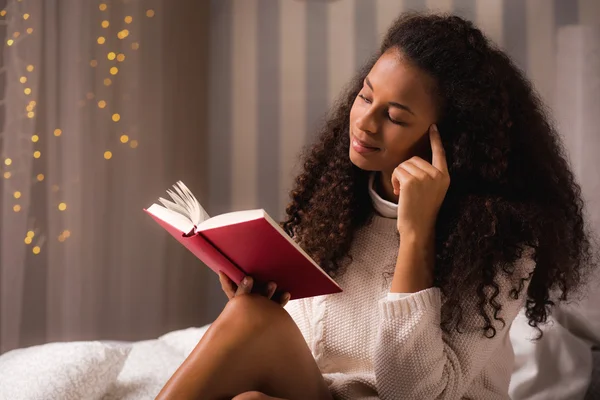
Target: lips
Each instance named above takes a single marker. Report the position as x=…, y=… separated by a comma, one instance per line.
x=362, y=147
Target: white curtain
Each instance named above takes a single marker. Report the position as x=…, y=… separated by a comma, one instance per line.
x=88, y=112
x=577, y=109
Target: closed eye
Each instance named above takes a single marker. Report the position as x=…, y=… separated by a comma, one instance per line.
x=393, y=121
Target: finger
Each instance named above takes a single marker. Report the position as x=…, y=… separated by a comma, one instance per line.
x=425, y=166
x=284, y=299
x=227, y=285
x=437, y=150
x=271, y=287
x=395, y=184
x=402, y=175
x=414, y=170
x=245, y=286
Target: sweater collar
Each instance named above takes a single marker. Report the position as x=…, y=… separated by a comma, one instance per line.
x=384, y=208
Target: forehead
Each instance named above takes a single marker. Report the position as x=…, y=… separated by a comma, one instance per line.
x=395, y=77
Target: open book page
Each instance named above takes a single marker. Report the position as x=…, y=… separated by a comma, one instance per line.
x=185, y=203
x=183, y=212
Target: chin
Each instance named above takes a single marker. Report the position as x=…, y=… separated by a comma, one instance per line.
x=366, y=163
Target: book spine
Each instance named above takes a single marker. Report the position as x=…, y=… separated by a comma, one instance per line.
x=212, y=257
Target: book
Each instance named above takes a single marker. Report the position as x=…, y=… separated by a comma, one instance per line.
x=241, y=243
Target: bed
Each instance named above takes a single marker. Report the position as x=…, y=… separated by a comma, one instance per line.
x=560, y=366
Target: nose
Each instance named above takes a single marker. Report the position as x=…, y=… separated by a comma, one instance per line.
x=367, y=122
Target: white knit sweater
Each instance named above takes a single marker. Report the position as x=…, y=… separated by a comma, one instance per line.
x=371, y=346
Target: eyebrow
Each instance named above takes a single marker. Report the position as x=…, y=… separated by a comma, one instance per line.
x=391, y=103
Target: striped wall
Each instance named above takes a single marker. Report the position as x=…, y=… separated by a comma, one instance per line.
x=277, y=65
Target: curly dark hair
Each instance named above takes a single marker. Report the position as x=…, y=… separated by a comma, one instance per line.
x=512, y=187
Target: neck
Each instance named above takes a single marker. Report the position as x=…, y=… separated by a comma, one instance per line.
x=384, y=188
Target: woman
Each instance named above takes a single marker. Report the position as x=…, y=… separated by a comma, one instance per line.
x=439, y=197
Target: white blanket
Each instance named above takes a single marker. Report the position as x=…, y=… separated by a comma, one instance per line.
x=95, y=370
x=557, y=367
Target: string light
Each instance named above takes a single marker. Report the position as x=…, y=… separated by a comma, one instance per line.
x=30, y=106
x=3, y=13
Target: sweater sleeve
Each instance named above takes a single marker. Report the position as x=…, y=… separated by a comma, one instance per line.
x=415, y=359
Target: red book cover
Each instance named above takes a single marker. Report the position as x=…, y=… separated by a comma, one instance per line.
x=255, y=246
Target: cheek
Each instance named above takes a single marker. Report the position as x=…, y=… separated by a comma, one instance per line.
x=400, y=146
x=354, y=113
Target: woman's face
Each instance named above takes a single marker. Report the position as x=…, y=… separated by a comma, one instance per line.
x=391, y=115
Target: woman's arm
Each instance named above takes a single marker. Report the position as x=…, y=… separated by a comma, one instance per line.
x=416, y=359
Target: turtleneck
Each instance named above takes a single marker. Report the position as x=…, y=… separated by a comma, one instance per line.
x=383, y=207
x=387, y=213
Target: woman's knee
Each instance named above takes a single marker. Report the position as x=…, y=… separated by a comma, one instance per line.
x=255, y=311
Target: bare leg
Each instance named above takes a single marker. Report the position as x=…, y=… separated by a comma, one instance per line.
x=253, y=345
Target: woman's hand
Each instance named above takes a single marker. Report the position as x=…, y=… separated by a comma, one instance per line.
x=255, y=396
x=421, y=188
x=245, y=287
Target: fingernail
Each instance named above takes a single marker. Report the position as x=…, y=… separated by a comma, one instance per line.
x=435, y=128
x=246, y=281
